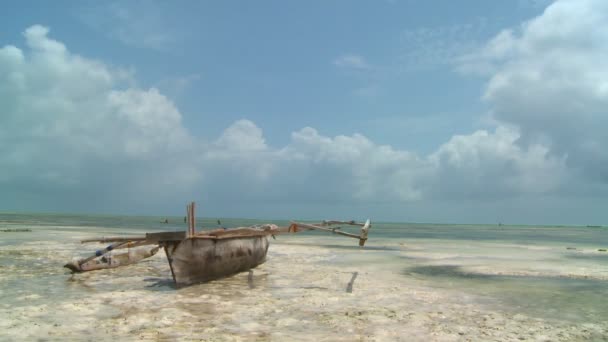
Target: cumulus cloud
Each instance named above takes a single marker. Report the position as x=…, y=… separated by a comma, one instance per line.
x=66, y=121
x=73, y=128
x=352, y=61
x=357, y=167
x=72, y=125
x=492, y=165
x=314, y=167
x=549, y=78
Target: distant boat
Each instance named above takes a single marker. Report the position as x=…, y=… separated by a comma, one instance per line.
x=196, y=257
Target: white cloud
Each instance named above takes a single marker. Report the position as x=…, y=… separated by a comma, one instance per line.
x=354, y=168
x=358, y=167
x=352, y=61
x=242, y=136
x=72, y=129
x=431, y=47
x=135, y=23
x=176, y=86
x=486, y=164
x=66, y=121
x=368, y=75
x=535, y=3
x=370, y=91
x=548, y=77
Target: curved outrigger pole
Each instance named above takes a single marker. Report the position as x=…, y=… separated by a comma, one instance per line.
x=323, y=226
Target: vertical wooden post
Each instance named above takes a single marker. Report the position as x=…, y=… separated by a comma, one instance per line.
x=188, y=220
x=193, y=213
x=364, y=232
x=191, y=216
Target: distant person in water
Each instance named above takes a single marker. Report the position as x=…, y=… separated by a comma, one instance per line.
x=165, y=221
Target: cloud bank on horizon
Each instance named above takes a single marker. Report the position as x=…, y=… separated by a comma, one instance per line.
x=77, y=130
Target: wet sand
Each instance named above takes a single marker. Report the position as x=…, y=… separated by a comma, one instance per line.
x=313, y=288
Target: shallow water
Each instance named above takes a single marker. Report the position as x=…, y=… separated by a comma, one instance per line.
x=411, y=282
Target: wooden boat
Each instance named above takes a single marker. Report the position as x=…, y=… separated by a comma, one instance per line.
x=214, y=254
x=196, y=257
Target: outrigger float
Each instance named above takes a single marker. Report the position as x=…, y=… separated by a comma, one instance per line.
x=197, y=257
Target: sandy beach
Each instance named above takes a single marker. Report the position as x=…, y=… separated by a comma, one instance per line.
x=312, y=288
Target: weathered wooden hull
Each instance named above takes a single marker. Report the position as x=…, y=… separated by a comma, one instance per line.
x=197, y=260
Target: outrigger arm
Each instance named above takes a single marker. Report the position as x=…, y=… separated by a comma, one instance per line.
x=336, y=230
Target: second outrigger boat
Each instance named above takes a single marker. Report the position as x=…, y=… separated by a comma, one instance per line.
x=196, y=257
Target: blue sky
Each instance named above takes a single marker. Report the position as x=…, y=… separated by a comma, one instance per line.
x=437, y=111
x=273, y=63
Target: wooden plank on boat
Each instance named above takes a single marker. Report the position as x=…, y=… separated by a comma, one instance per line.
x=165, y=236
x=242, y=231
x=134, y=244
x=231, y=236
x=115, y=239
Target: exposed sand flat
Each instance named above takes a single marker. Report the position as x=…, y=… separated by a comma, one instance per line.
x=403, y=290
